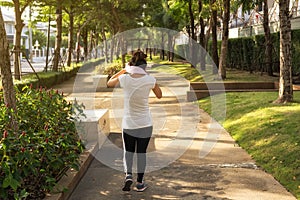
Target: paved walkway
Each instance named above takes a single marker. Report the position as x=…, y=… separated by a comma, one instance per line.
x=177, y=165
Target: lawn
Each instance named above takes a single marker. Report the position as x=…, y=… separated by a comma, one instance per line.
x=195, y=74
x=269, y=132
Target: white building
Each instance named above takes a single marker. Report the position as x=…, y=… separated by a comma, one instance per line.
x=9, y=23
x=250, y=23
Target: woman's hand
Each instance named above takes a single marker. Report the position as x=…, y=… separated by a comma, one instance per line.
x=113, y=81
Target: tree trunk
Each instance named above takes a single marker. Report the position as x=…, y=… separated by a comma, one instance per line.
x=123, y=50
x=57, y=57
x=105, y=45
x=96, y=45
x=85, y=42
x=71, y=37
x=192, y=20
x=268, y=41
x=214, y=47
x=112, y=47
x=285, y=82
x=193, y=35
x=202, y=37
x=91, y=45
x=224, y=47
x=162, y=54
x=17, y=39
x=48, y=42
x=7, y=81
x=170, y=41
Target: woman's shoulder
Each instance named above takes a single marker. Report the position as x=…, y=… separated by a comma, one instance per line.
x=151, y=78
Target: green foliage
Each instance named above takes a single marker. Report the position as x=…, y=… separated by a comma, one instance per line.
x=154, y=13
x=47, y=79
x=6, y=3
x=52, y=41
x=269, y=132
x=40, y=37
x=248, y=53
x=179, y=68
x=259, y=52
x=191, y=74
x=296, y=51
x=112, y=69
x=234, y=53
x=46, y=144
x=241, y=53
x=219, y=44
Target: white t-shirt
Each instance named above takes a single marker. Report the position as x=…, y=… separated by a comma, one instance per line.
x=136, y=94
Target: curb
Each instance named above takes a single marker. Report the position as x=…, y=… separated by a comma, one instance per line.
x=68, y=183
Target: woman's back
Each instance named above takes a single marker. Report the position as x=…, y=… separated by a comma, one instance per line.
x=136, y=95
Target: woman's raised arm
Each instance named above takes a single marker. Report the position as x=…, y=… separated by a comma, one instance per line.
x=113, y=81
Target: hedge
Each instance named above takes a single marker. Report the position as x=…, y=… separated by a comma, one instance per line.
x=49, y=79
x=248, y=53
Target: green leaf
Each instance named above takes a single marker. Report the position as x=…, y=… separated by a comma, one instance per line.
x=10, y=181
x=24, y=194
x=50, y=180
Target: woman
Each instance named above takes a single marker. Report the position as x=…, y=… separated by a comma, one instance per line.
x=137, y=122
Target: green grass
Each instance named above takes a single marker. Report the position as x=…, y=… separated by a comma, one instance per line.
x=181, y=69
x=269, y=132
x=186, y=71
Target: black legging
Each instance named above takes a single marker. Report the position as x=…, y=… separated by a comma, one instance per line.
x=136, y=141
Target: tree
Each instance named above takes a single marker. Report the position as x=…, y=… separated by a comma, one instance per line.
x=268, y=40
x=39, y=36
x=192, y=20
x=19, y=7
x=70, y=10
x=249, y=5
x=7, y=81
x=192, y=33
x=170, y=22
x=285, y=81
x=214, y=47
x=58, y=20
x=202, y=35
x=224, y=47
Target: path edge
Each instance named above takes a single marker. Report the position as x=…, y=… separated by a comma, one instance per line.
x=68, y=183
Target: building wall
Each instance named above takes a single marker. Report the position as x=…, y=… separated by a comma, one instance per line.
x=9, y=24
x=254, y=24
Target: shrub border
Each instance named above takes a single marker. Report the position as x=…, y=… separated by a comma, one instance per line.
x=68, y=183
x=50, y=81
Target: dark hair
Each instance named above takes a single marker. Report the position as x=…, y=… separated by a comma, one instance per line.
x=138, y=59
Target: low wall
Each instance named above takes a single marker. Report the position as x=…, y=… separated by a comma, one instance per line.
x=231, y=85
x=199, y=90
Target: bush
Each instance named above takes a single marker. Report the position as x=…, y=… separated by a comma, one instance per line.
x=44, y=147
x=47, y=79
x=112, y=69
x=296, y=51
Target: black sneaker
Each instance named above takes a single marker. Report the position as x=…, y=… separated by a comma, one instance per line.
x=127, y=183
x=140, y=187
